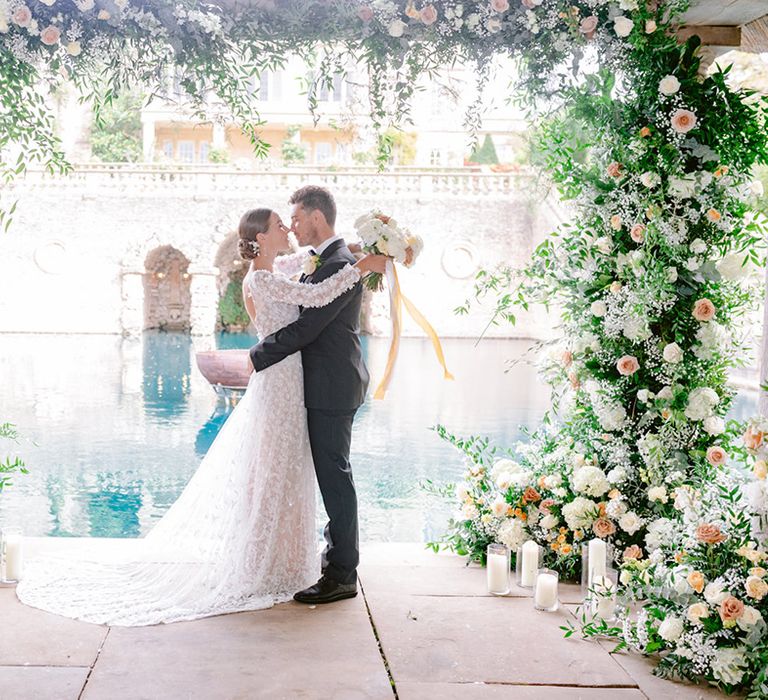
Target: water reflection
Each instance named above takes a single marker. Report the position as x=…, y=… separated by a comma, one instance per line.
x=115, y=446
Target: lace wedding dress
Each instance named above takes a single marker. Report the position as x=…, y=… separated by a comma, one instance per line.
x=242, y=534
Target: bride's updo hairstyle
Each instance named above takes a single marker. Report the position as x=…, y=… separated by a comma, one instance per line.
x=254, y=221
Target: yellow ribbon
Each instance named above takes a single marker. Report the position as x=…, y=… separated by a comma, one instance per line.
x=396, y=301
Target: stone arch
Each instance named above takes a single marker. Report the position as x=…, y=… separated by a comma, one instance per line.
x=232, y=268
x=167, y=290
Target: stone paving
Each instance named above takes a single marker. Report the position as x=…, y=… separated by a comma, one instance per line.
x=424, y=630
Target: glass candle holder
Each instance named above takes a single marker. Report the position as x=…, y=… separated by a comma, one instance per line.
x=545, y=592
x=497, y=569
x=596, y=559
x=11, y=555
x=529, y=560
x=604, y=595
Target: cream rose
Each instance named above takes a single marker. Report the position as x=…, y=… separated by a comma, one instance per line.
x=616, y=222
x=598, y=308
x=669, y=85
x=753, y=438
x=696, y=612
x=714, y=425
x=650, y=26
x=627, y=365
x=696, y=581
x=671, y=628
x=637, y=233
x=396, y=28
x=683, y=120
x=672, y=353
x=428, y=14
x=74, y=48
x=760, y=470
x=623, y=26
x=704, y=310
x=756, y=587
x=633, y=552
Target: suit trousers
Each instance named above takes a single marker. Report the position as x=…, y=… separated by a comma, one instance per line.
x=330, y=436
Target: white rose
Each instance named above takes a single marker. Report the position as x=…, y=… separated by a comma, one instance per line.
x=493, y=25
x=503, y=481
x=682, y=187
x=756, y=188
x=462, y=492
x=74, y=48
x=604, y=244
x=623, y=26
x=669, y=85
x=504, y=466
x=650, y=179
x=751, y=616
x=672, y=353
x=658, y=493
x=714, y=425
x=696, y=612
x=671, y=628
x=499, y=507
x=734, y=266
x=665, y=393
x=698, y=246
x=469, y=511
x=644, y=396
x=671, y=275
x=729, y=665
x=630, y=522
x=548, y=521
x=396, y=28
x=714, y=592
x=598, y=308
x=552, y=481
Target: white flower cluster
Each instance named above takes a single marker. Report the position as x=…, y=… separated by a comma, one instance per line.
x=383, y=235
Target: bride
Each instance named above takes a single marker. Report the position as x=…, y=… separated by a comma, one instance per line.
x=241, y=536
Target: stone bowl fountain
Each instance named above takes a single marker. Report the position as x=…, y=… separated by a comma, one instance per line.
x=225, y=369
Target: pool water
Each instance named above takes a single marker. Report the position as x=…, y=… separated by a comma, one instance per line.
x=113, y=428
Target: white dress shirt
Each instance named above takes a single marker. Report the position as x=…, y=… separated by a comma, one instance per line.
x=320, y=248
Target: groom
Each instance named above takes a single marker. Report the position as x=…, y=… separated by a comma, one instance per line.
x=335, y=382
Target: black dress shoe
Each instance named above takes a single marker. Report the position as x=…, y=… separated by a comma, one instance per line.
x=326, y=590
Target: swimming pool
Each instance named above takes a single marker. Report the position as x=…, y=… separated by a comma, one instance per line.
x=119, y=425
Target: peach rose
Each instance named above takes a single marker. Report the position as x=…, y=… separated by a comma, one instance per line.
x=573, y=378
x=696, y=581
x=753, y=439
x=588, y=25
x=758, y=571
x=546, y=504
x=365, y=13
x=499, y=6
x=615, y=287
x=603, y=527
x=50, y=35
x=709, y=534
x=760, y=470
x=614, y=169
x=714, y=216
x=703, y=310
x=531, y=495
x=428, y=14
x=616, y=222
x=566, y=358
x=645, y=132
x=716, y=455
x=22, y=16
x=721, y=170
x=756, y=587
x=633, y=552
x=637, y=233
x=103, y=15
x=683, y=120
x=627, y=365
x=731, y=609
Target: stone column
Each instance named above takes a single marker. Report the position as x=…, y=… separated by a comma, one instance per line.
x=219, y=136
x=132, y=312
x=148, y=133
x=763, y=400
x=205, y=300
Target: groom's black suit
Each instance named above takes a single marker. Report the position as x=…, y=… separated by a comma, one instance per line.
x=335, y=382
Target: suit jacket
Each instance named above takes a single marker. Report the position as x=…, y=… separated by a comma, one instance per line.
x=335, y=376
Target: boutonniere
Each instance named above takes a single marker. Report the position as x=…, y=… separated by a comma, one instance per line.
x=312, y=264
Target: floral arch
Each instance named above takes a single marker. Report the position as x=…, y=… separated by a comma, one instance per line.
x=654, y=276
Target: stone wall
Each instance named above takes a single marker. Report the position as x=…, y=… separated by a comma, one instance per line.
x=74, y=259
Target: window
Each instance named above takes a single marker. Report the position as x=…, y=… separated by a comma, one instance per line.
x=204, y=148
x=270, y=85
x=168, y=148
x=435, y=157
x=323, y=153
x=264, y=86
x=187, y=151
x=334, y=93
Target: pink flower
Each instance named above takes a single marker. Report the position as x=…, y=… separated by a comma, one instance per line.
x=616, y=222
x=716, y=455
x=709, y=534
x=500, y=6
x=614, y=169
x=528, y=4
x=731, y=609
x=428, y=14
x=753, y=438
x=703, y=310
x=50, y=35
x=22, y=16
x=633, y=552
x=627, y=365
x=683, y=120
x=603, y=528
x=637, y=233
x=566, y=358
x=588, y=25
x=365, y=13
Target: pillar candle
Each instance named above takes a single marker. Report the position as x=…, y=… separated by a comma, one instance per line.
x=605, y=597
x=597, y=559
x=14, y=557
x=530, y=563
x=497, y=571
x=546, y=591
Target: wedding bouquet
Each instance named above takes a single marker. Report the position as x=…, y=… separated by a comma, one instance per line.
x=381, y=235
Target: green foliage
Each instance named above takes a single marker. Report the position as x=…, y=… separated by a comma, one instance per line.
x=293, y=152
x=232, y=311
x=218, y=155
x=10, y=465
x=116, y=136
x=485, y=154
